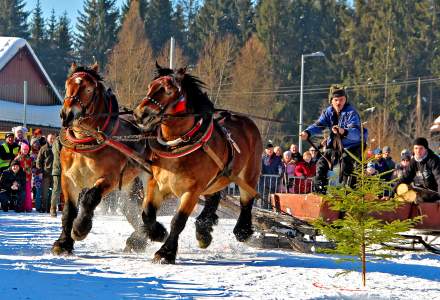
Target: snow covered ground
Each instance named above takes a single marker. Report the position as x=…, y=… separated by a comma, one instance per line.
x=99, y=269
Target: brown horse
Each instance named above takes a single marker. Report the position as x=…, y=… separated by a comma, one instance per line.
x=91, y=170
x=195, y=155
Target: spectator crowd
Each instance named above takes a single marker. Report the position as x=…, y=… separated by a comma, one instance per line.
x=28, y=177
x=295, y=171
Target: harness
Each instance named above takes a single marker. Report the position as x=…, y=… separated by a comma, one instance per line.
x=91, y=143
x=198, y=137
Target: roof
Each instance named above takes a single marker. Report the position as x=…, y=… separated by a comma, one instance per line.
x=9, y=47
x=436, y=126
x=42, y=115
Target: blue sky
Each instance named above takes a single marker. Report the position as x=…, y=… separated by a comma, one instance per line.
x=72, y=7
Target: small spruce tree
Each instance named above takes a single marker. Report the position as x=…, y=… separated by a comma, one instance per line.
x=360, y=232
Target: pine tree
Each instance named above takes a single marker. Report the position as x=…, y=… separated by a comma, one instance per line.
x=220, y=19
x=246, y=22
x=97, y=27
x=51, y=26
x=178, y=25
x=63, y=42
x=360, y=232
x=13, y=19
x=38, y=35
x=158, y=25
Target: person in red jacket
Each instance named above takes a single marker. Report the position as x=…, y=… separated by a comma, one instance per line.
x=305, y=171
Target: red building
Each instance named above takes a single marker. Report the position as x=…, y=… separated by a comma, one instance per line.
x=18, y=63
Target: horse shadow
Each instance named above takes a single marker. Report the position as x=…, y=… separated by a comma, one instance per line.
x=323, y=261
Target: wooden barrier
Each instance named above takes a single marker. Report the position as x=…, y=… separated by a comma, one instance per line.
x=306, y=207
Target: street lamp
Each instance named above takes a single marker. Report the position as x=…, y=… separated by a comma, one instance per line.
x=314, y=54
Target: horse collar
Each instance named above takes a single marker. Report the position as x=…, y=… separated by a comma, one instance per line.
x=183, y=139
x=179, y=150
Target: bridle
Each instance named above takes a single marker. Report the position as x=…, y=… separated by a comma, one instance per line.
x=159, y=108
x=77, y=98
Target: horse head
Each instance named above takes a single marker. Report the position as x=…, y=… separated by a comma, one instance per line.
x=83, y=87
x=170, y=93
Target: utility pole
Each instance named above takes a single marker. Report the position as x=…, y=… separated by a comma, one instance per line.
x=172, y=46
x=25, y=100
x=418, y=111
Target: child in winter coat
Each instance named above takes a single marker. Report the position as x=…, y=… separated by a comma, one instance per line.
x=288, y=172
x=305, y=170
x=25, y=161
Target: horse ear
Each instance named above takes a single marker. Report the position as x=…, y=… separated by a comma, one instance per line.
x=95, y=67
x=158, y=67
x=73, y=67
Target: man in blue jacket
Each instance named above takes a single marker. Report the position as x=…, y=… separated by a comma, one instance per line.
x=345, y=134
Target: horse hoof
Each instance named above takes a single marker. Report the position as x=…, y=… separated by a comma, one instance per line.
x=243, y=234
x=81, y=228
x=204, y=239
x=135, y=243
x=160, y=259
x=157, y=233
x=58, y=249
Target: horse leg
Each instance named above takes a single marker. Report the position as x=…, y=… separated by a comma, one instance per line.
x=137, y=241
x=151, y=228
x=167, y=253
x=87, y=202
x=243, y=228
x=207, y=219
x=64, y=244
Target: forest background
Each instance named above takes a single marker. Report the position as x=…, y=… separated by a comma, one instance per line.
x=249, y=55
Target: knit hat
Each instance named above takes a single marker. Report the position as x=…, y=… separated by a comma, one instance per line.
x=8, y=134
x=377, y=151
x=24, y=147
x=19, y=128
x=15, y=162
x=386, y=149
x=421, y=141
x=37, y=131
x=405, y=154
x=336, y=90
x=269, y=145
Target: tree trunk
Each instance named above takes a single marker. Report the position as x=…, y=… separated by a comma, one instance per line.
x=364, y=265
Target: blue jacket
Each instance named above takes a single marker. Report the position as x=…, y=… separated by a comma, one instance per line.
x=348, y=119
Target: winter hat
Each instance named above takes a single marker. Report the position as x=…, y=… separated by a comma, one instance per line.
x=269, y=145
x=421, y=141
x=37, y=131
x=35, y=140
x=8, y=134
x=386, y=149
x=22, y=128
x=15, y=162
x=336, y=90
x=287, y=153
x=405, y=154
x=24, y=147
x=377, y=151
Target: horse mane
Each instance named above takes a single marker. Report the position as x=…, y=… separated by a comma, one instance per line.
x=87, y=70
x=192, y=88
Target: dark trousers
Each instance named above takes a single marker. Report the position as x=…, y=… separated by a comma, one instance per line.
x=12, y=200
x=46, y=188
x=56, y=192
x=347, y=165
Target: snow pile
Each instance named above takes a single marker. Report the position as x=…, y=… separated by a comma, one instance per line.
x=227, y=269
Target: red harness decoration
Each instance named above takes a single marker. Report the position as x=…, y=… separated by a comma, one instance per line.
x=205, y=138
x=71, y=137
